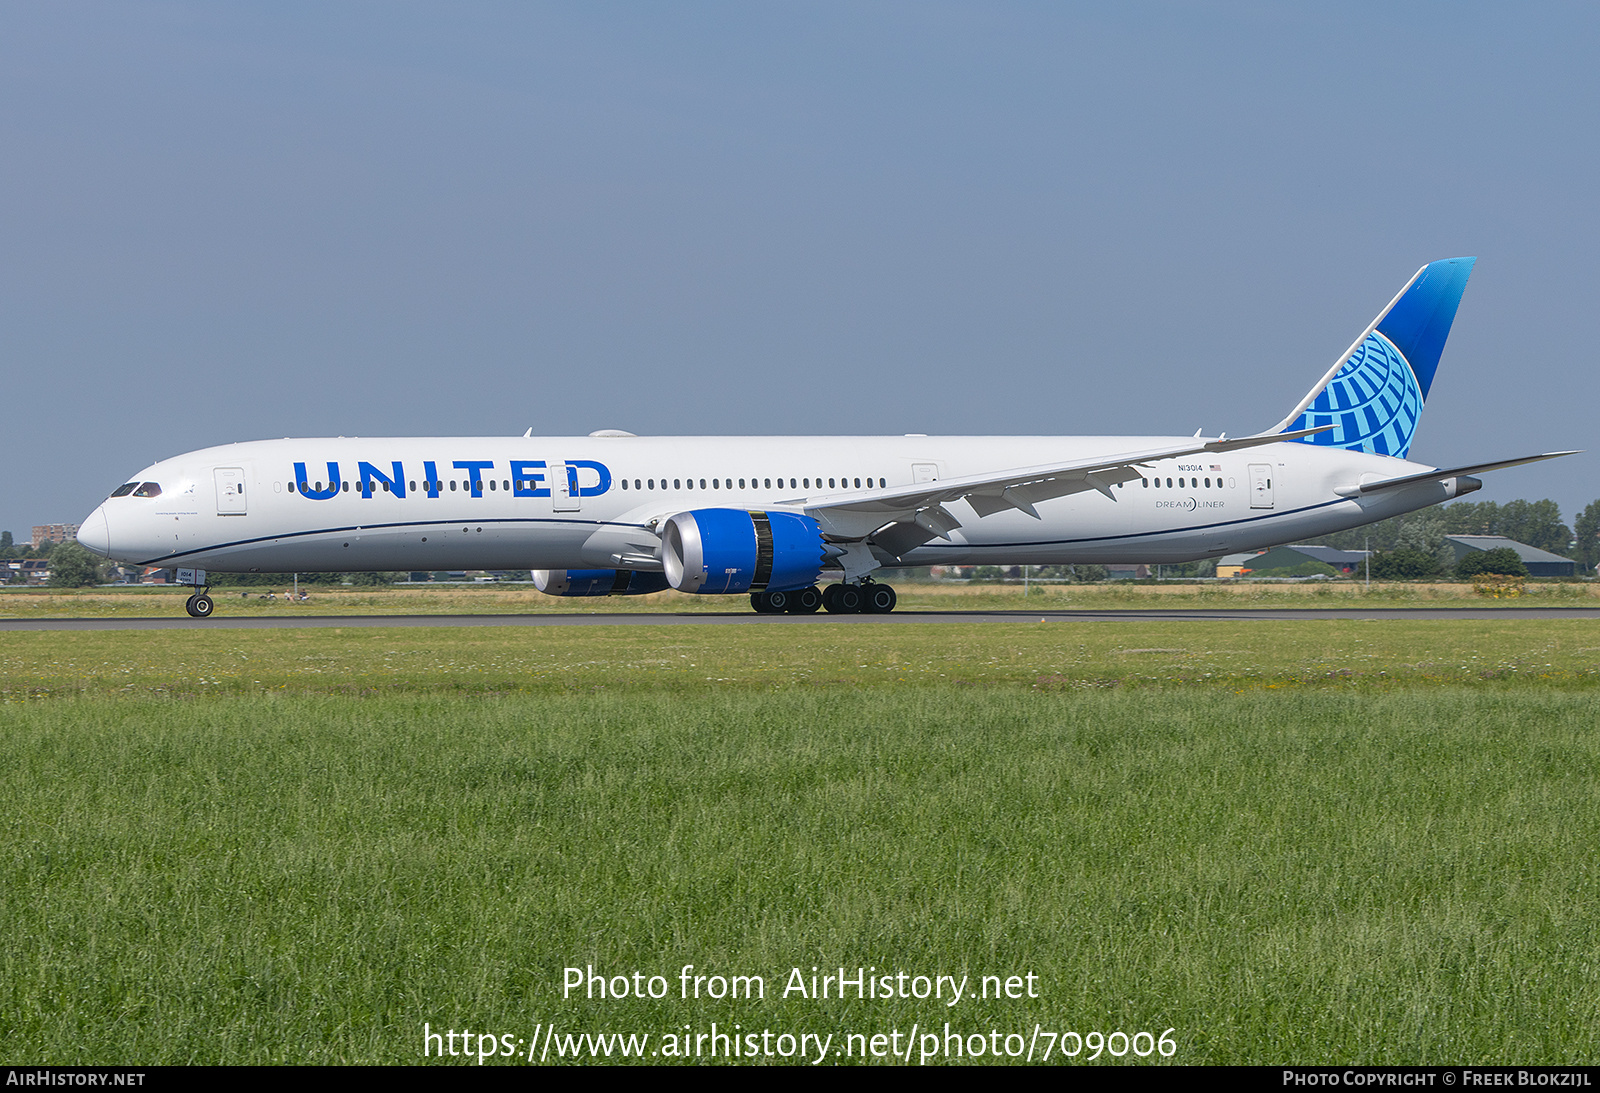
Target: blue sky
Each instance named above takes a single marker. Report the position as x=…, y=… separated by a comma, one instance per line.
x=227, y=222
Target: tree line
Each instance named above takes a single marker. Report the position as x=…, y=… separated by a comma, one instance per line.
x=1536, y=523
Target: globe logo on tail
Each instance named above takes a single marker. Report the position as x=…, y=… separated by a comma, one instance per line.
x=1373, y=402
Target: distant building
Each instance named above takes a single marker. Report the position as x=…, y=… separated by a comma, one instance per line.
x=26, y=570
x=53, y=533
x=1540, y=563
x=1346, y=562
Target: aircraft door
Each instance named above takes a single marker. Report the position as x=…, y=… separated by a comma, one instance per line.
x=1261, y=485
x=564, y=495
x=231, y=500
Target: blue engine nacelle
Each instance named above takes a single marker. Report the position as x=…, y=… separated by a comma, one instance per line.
x=733, y=550
x=597, y=582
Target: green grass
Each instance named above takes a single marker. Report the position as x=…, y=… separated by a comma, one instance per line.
x=151, y=601
x=696, y=660
x=1224, y=835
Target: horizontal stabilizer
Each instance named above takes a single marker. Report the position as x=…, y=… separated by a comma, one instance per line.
x=1366, y=488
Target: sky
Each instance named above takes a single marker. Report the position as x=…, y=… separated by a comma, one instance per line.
x=231, y=222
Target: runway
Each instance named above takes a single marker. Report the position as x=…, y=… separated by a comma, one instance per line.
x=314, y=622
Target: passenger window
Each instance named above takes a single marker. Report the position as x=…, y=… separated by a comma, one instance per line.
x=491, y=485
x=452, y=485
x=346, y=487
x=858, y=483
x=677, y=483
x=769, y=483
x=291, y=487
x=1169, y=483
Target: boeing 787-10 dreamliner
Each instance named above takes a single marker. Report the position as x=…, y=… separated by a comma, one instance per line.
x=617, y=514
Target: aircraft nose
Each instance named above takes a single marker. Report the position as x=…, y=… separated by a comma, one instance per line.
x=95, y=533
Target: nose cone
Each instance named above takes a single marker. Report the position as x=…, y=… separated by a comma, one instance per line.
x=95, y=534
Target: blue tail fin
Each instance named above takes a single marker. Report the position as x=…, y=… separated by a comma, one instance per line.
x=1373, y=397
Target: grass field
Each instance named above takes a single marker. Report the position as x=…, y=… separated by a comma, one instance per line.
x=22, y=603
x=1310, y=842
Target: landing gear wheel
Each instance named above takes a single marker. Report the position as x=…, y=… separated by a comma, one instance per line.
x=842, y=599
x=199, y=606
x=778, y=602
x=759, y=602
x=806, y=601
x=878, y=599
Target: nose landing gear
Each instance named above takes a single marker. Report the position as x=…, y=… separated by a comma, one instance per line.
x=198, y=605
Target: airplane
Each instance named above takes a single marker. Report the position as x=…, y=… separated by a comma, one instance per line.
x=617, y=514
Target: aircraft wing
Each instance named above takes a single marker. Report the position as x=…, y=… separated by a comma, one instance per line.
x=1436, y=475
x=904, y=517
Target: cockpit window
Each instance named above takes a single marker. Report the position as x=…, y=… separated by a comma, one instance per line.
x=124, y=489
x=148, y=489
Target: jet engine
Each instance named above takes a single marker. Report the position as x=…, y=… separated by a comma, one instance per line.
x=732, y=550
x=597, y=582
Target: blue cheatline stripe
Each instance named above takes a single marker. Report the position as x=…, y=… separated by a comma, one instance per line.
x=925, y=546
x=378, y=527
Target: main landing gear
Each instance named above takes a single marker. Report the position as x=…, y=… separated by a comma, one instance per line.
x=804, y=601
x=869, y=598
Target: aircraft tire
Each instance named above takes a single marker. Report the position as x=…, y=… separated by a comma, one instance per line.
x=806, y=601
x=778, y=602
x=842, y=599
x=878, y=599
x=199, y=606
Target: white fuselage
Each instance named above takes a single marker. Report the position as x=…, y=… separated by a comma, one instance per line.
x=594, y=502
